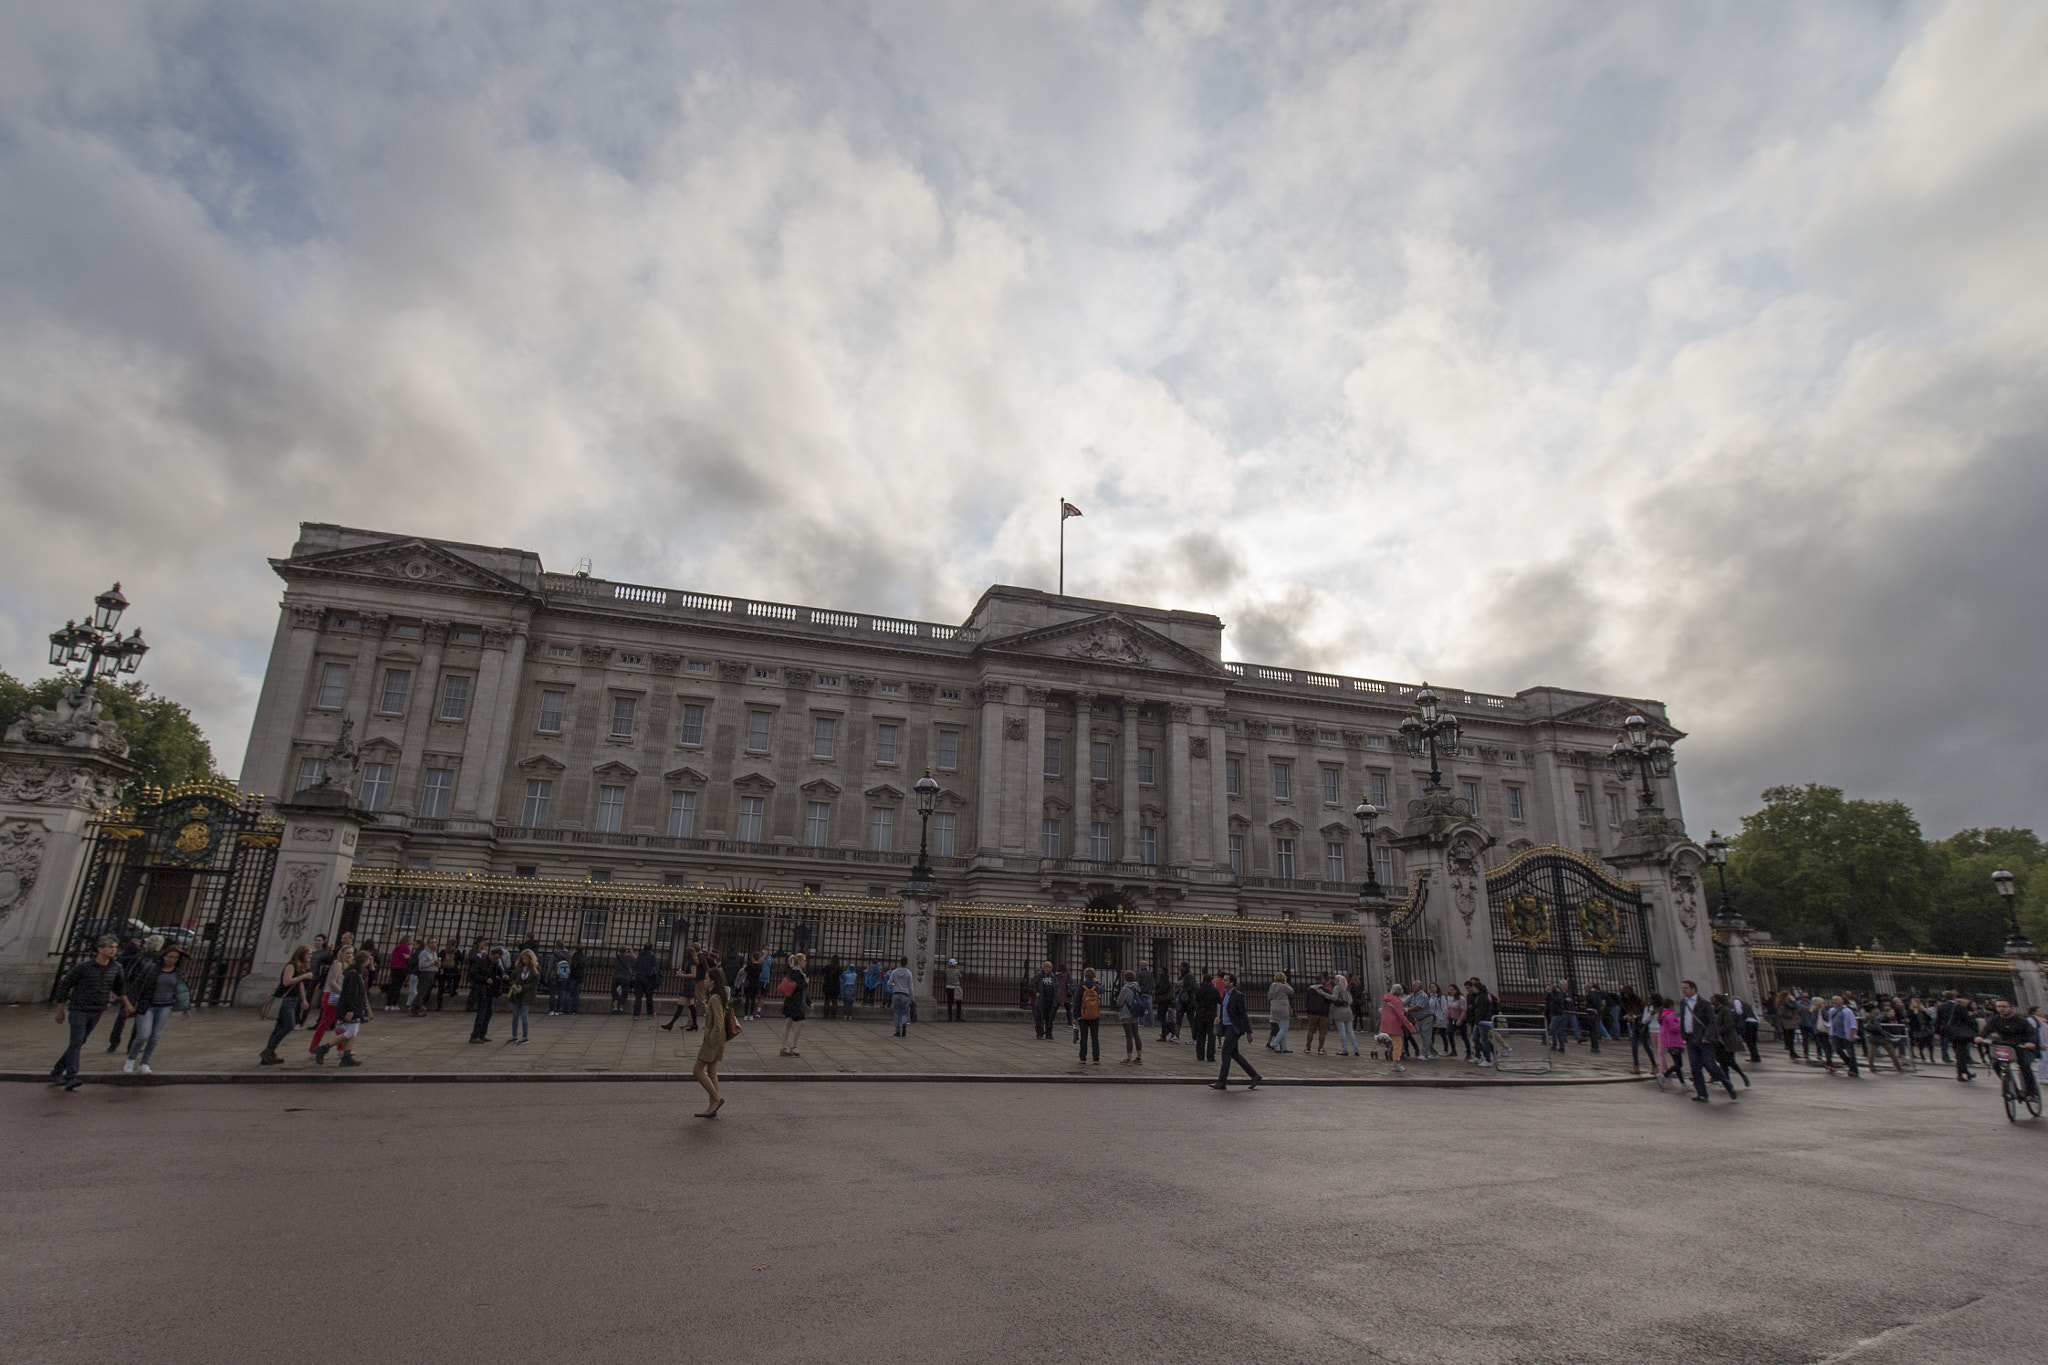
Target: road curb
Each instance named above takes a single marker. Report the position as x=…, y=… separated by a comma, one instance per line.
x=369, y=1075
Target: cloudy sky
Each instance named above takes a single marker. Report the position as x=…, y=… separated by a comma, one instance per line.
x=1687, y=352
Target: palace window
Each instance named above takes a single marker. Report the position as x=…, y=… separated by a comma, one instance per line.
x=949, y=750
x=1383, y=860
x=376, y=793
x=759, y=728
x=550, y=722
x=333, y=686
x=692, y=729
x=1333, y=786
x=455, y=697
x=561, y=652
x=824, y=734
x=1052, y=756
x=892, y=689
x=749, y=831
x=1147, y=766
x=1333, y=861
x=397, y=681
x=682, y=814
x=1375, y=741
x=1378, y=785
x=1237, y=854
x=539, y=792
x=817, y=823
x=437, y=792
x=1614, y=809
x=885, y=743
x=1148, y=845
x=1098, y=841
x=1514, y=803
x=882, y=828
x=1283, y=858
x=1233, y=777
x=1585, y=802
x=1470, y=791
x=623, y=712
x=944, y=829
x=311, y=771
x=1098, y=761
x=611, y=809
x=1049, y=839
x=1283, y=781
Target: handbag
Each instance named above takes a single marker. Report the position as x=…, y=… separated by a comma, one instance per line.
x=273, y=1007
x=732, y=1025
x=785, y=986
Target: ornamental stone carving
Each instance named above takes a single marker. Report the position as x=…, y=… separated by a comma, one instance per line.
x=45, y=781
x=76, y=722
x=597, y=655
x=732, y=671
x=1013, y=727
x=664, y=663
x=308, y=618
x=1685, y=899
x=797, y=678
x=1108, y=645
x=923, y=692
x=376, y=622
x=1198, y=746
x=1466, y=877
x=496, y=639
x=436, y=632
x=1037, y=696
x=858, y=685
x=1179, y=712
x=21, y=859
x=295, y=902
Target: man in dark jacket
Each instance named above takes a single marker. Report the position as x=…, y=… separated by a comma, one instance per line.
x=2008, y=1026
x=646, y=979
x=484, y=977
x=85, y=993
x=1956, y=1023
x=1696, y=1017
x=1044, y=1001
x=131, y=951
x=1208, y=1000
x=1236, y=1025
x=622, y=979
x=574, y=995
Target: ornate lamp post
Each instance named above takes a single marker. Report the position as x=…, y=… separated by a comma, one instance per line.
x=1368, y=816
x=927, y=797
x=98, y=641
x=1635, y=752
x=1428, y=728
x=1717, y=854
x=2008, y=893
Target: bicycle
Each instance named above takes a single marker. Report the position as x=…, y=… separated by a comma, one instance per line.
x=2005, y=1060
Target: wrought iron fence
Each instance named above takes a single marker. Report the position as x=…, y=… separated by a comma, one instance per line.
x=1826, y=971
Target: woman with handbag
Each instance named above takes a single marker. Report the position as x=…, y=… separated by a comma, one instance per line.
x=794, y=987
x=287, y=1001
x=525, y=981
x=155, y=988
x=720, y=1025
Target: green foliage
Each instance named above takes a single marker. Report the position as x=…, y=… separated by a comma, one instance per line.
x=1818, y=868
x=162, y=738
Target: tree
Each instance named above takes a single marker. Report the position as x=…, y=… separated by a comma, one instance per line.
x=163, y=739
x=1815, y=867
x=1967, y=914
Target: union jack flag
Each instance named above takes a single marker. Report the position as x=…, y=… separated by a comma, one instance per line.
x=1067, y=509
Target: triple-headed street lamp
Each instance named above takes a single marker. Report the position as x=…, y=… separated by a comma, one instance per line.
x=927, y=797
x=1427, y=729
x=2008, y=893
x=98, y=640
x=1368, y=815
x=1717, y=854
x=1635, y=752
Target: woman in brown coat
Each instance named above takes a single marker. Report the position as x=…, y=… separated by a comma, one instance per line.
x=710, y=1052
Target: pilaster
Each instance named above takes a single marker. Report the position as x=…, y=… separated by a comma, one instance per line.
x=1127, y=798
x=1179, y=794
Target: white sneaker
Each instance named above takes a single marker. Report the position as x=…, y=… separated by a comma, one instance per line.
x=128, y=1066
x=145, y=1068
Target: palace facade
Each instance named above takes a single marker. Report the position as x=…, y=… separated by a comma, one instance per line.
x=521, y=722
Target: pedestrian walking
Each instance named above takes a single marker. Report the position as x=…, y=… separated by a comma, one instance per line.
x=330, y=996
x=1481, y=1007
x=557, y=974
x=154, y=989
x=1044, y=1001
x=1439, y=1023
x=646, y=980
x=750, y=985
x=1088, y=1015
x=1843, y=1031
x=486, y=978
x=829, y=981
x=796, y=985
x=425, y=969
x=871, y=981
x=718, y=1023
x=1728, y=1036
x=1670, y=1037
x=1557, y=1010
x=519, y=992
x=1454, y=1013
x=1279, y=1009
x=1341, y=1017
x=131, y=951
x=290, y=995
x=354, y=1006
x=692, y=996
x=1236, y=1025
x=1131, y=1007
x=622, y=979
x=400, y=969
x=900, y=984
x=87, y=991
x=1395, y=1028
x=1956, y=1025
x=1642, y=1034
x=1315, y=1007
x=1696, y=1021
x=956, y=992
x=1208, y=1000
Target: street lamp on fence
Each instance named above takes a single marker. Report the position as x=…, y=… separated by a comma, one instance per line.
x=1368, y=816
x=99, y=640
x=1717, y=854
x=2008, y=893
x=927, y=797
x=1635, y=752
x=1428, y=728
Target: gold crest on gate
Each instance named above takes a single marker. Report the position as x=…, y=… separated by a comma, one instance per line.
x=1528, y=919
x=1600, y=925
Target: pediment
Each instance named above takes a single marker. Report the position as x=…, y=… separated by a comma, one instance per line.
x=1107, y=640
x=948, y=799
x=685, y=776
x=1335, y=830
x=1057, y=806
x=883, y=792
x=379, y=747
x=818, y=786
x=754, y=782
x=1608, y=714
x=540, y=763
x=413, y=561
x=615, y=769
x=1285, y=827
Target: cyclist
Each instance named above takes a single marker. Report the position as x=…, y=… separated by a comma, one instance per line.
x=2007, y=1025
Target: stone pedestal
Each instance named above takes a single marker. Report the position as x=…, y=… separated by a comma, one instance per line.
x=920, y=937
x=1377, y=969
x=57, y=771
x=314, y=859
x=1669, y=869
x=2027, y=978
x=1740, y=979
x=1443, y=842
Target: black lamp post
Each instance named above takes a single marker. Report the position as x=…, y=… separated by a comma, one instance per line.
x=1429, y=728
x=927, y=797
x=99, y=640
x=1635, y=752
x=1717, y=854
x=2009, y=893
x=1368, y=815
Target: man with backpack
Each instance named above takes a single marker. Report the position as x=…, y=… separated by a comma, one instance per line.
x=1088, y=1014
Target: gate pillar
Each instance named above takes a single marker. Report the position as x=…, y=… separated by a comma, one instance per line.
x=1444, y=843
x=315, y=856
x=58, y=769
x=1668, y=868
x=920, y=899
x=2026, y=974
x=1741, y=976
x=1377, y=965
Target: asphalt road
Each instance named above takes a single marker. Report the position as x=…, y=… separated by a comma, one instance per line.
x=928, y=1222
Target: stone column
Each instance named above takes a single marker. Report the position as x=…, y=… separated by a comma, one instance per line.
x=490, y=714
x=1377, y=970
x=1127, y=798
x=1034, y=772
x=419, y=718
x=314, y=859
x=266, y=766
x=920, y=940
x=362, y=678
x=1441, y=842
x=2028, y=982
x=988, y=809
x=1179, y=793
x=1741, y=970
x=57, y=771
x=1668, y=869
x=1219, y=798
x=490, y=783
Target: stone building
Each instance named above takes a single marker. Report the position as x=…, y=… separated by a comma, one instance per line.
x=514, y=720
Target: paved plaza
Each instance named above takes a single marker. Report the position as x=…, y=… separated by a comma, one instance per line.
x=216, y=1043
x=1880, y=1222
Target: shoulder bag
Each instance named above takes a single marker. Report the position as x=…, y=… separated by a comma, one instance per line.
x=732, y=1024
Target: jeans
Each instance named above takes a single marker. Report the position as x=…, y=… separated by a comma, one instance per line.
x=1845, y=1049
x=287, y=1020
x=1347, y=1037
x=1205, y=1037
x=1279, y=1043
x=1640, y=1042
x=481, y=1030
x=82, y=1023
x=955, y=999
x=1231, y=1054
x=1041, y=1019
x=149, y=1026
x=1134, y=1041
x=572, y=994
x=1482, y=1040
x=1091, y=1029
x=643, y=990
x=1704, y=1065
x=1557, y=1032
x=899, y=1005
x=522, y=1026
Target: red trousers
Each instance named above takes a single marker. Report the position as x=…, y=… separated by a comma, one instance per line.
x=326, y=1023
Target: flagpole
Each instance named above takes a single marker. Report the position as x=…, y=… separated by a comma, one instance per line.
x=1063, y=545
